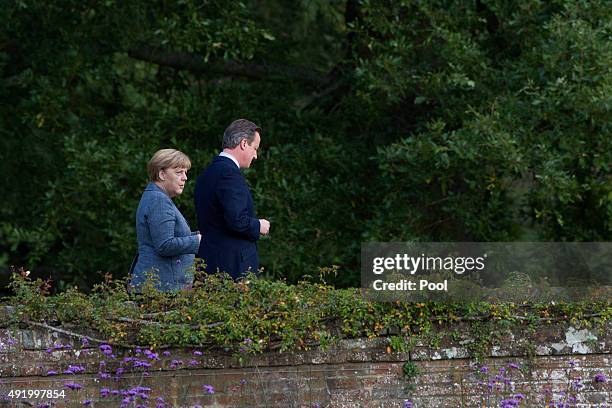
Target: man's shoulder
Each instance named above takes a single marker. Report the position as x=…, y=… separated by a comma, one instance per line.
x=221, y=162
x=222, y=166
x=220, y=170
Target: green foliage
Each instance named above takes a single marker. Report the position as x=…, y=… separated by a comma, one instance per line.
x=449, y=185
x=410, y=370
x=254, y=315
x=438, y=120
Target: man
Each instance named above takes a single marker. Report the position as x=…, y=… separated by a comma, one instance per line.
x=224, y=205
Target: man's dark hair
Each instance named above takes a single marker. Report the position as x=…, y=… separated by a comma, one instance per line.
x=238, y=130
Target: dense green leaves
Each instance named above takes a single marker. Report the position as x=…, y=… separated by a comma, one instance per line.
x=403, y=120
x=258, y=314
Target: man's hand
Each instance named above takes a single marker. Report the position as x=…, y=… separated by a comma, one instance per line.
x=264, y=226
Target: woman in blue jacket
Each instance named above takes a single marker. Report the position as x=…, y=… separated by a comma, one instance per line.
x=166, y=244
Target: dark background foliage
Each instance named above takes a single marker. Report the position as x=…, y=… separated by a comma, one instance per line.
x=481, y=120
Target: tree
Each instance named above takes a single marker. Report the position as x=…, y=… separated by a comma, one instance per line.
x=441, y=120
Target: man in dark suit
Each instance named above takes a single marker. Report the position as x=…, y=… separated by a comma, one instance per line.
x=224, y=205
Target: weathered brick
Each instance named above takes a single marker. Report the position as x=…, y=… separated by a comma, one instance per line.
x=353, y=373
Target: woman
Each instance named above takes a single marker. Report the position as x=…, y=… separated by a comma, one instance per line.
x=166, y=245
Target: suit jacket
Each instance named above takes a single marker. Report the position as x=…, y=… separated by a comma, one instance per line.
x=166, y=245
x=226, y=219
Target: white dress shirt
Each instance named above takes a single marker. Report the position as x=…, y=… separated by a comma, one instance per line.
x=229, y=156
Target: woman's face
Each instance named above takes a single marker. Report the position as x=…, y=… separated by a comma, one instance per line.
x=173, y=180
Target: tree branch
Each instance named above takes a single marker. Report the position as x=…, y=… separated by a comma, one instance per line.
x=197, y=64
x=154, y=323
x=70, y=333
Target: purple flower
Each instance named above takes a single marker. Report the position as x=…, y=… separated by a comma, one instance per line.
x=209, y=388
x=166, y=353
x=407, y=404
x=519, y=396
x=509, y=403
x=49, y=350
x=140, y=389
x=151, y=355
x=572, y=363
x=197, y=353
x=119, y=373
x=74, y=369
x=193, y=363
x=104, y=392
x=104, y=375
x=243, y=381
x=513, y=365
x=73, y=386
x=175, y=363
x=197, y=406
x=87, y=402
x=51, y=372
x=484, y=369
x=600, y=378
x=139, y=363
x=138, y=350
x=84, y=342
x=106, y=349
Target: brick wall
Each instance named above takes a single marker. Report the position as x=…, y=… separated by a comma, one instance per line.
x=551, y=360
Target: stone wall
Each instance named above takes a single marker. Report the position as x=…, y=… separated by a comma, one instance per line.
x=551, y=361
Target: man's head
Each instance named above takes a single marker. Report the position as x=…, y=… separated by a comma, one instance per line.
x=241, y=139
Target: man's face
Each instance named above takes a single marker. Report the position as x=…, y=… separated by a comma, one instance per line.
x=250, y=151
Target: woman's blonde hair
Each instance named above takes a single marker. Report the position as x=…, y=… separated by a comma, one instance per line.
x=166, y=159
